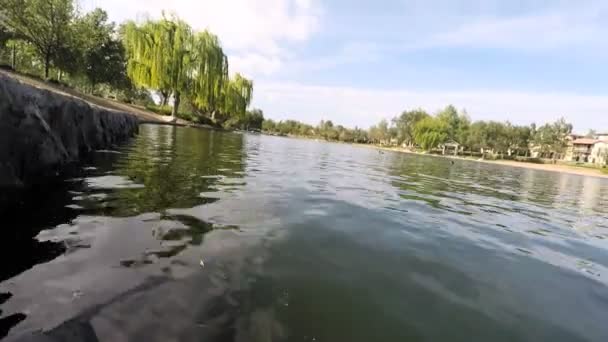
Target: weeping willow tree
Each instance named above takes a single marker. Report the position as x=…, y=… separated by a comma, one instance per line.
x=168, y=57
x=209, y=72
x=159, y=56
x=237, y=95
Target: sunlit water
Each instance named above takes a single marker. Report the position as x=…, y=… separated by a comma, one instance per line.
x=195, y=235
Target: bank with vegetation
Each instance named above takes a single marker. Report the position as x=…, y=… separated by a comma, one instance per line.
x=186, y=71
x=418, y=130
x=42, y=131
x=166, y=67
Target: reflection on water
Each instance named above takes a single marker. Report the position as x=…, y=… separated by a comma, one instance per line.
x=198, y=235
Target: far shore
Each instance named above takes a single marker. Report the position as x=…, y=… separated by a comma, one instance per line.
x=575, y=170
x=146, y=116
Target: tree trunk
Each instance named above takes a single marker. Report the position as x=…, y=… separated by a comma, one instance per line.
x=14, y=57
x=164, y=97
x=47, y=63
x=176, y=100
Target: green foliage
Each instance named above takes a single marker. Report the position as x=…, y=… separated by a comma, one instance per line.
x=87, y=51
x=168, y=57
x=380, y=133
x=210, y=65
x=325, y=130
x=159, y=109
x=102, y=56
x=430, y=132
x=251, y=121
x=405, y=123
x=160, y=55
x=551, y=138
x=43, y=23
x=237, y=95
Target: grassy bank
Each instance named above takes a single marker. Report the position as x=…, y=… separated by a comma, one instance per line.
x=146, y=113
x=183, y=115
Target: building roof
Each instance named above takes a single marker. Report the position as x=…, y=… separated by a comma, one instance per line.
x=585, y=141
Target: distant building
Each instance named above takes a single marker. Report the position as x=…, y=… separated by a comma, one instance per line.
x=602, y=136
x=579, y=150
x=592, y=150
x=599, y=153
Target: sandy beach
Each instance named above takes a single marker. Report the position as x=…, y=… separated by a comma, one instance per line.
x=575, y=170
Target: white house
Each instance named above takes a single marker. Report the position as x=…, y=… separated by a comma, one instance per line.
x=599, y=153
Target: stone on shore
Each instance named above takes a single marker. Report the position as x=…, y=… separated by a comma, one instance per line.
x=42, y=131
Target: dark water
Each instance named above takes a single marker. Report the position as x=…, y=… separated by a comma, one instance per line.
x=305, y=241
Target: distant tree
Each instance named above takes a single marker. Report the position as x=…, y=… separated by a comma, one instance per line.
x=519, y=138
x=269, y=126
x=405, y=124
x=457, y=123
x=431, y=132
x=255, y=119
x=551, y=138
x=237, y=95
x=383, y=133
x=43, y=23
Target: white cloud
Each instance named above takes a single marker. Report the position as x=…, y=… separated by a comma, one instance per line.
x=255, y=63
x=558, y=28
x=364, y=107
x=253, y=32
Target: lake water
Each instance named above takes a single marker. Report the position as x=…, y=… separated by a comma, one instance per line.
x=195, y=235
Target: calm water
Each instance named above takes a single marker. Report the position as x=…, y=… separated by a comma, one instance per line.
x=194, y=235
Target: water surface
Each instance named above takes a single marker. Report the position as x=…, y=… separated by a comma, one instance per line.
x=191, y=235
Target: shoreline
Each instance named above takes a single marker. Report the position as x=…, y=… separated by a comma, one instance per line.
x=573, y=170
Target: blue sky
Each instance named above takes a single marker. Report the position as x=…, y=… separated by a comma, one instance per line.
x=355, y=62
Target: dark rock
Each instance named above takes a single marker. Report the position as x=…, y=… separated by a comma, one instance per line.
x=41, y=131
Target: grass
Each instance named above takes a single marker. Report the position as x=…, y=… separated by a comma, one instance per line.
x=188, y=116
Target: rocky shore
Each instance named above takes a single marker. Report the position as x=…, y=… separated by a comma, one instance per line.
x=42, y=131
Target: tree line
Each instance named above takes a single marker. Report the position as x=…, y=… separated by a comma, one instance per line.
x=186, y=69
x=417, y=129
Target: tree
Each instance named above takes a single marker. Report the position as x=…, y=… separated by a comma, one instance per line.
x=211, y=89
x=382, y=131
x=43, y=23
x=551, y=138
x=519, y=138
x=431, y=132
x=255, y=119
x=269, y=126
x=457, y=123
x=237, y=95
x=102, y=56
x=159, y=56
x=477, y=138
